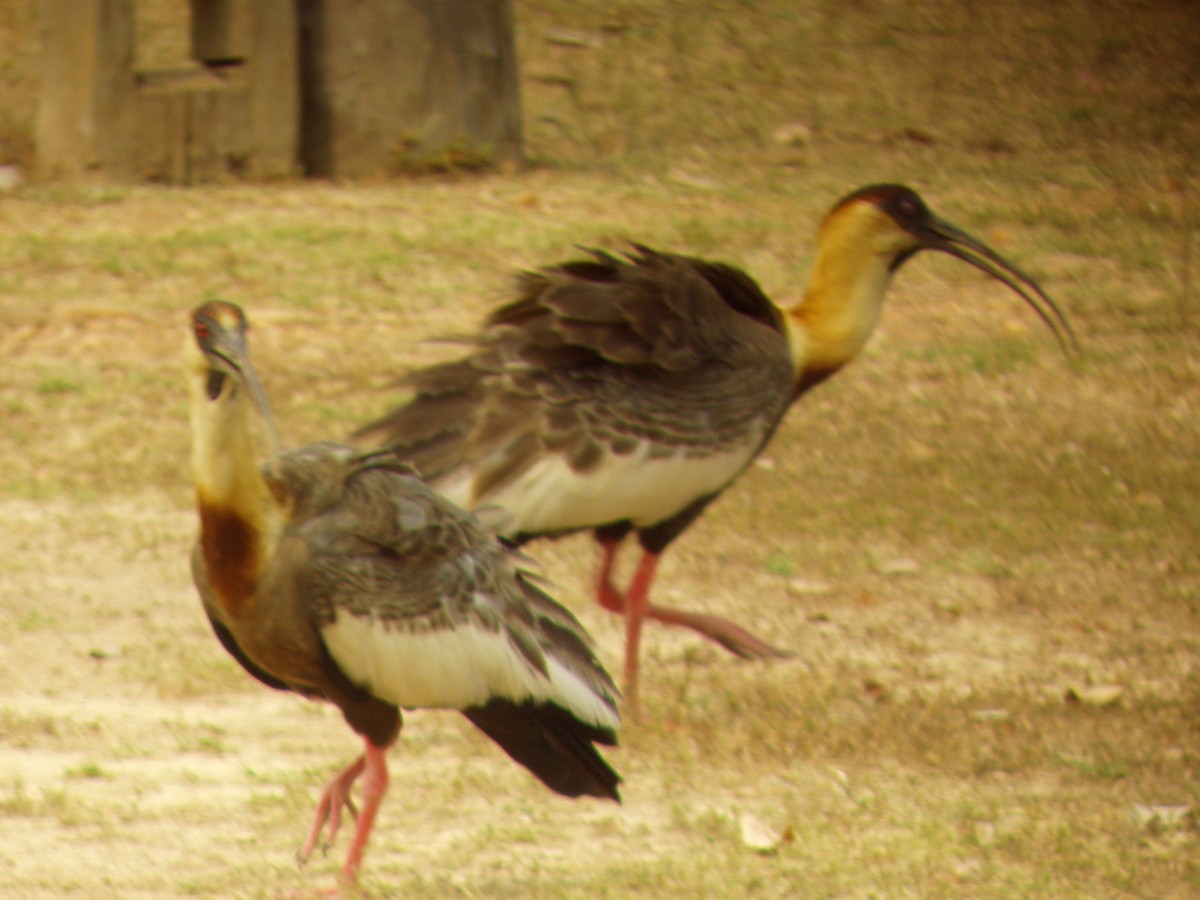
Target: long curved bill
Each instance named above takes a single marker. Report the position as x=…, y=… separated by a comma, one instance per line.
x=260, y=400
x=233, y=351
x=941, y=235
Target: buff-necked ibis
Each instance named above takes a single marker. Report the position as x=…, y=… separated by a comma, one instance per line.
x=625, y=393
x=340, y=575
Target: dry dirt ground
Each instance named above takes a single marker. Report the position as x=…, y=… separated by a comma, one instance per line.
x=985, y=555
x=995, y=685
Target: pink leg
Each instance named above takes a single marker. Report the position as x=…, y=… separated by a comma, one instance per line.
x=607, y=594
x=334, y=796
x=375, y=782
x=733, y=638
x=636, y=604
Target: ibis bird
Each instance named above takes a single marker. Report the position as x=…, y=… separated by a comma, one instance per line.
x=339, y=574
x=624, y=393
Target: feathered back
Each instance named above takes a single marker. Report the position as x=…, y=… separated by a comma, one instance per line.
x=381, y=594
x=591, y=357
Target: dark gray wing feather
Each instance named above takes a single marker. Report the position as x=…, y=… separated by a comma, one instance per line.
x=593, y=356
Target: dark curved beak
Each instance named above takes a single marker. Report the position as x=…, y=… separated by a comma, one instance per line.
x=230, y=348
x=937, y=234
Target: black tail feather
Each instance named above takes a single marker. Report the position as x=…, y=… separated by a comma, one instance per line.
x=552, y=744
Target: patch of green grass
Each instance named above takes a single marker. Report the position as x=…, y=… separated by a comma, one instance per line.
x=15, y=800
x=1080, y=113
x=26, y=731
x=199, y=676
x=779, y=564
x=198, y=737
x=991, y=358
x=1093, y=769
x=87, y=770
x=37, y=619
x=43, y=488
x=61, y=384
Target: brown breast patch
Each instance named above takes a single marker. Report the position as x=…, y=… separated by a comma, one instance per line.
x=231, y=549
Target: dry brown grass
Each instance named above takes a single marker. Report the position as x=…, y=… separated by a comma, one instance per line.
x=954, y=534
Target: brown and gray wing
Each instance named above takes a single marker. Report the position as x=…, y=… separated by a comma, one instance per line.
x=398, y=552
x=395, y=552
x=593, y=357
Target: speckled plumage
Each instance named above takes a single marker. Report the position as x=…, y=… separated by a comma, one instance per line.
x=624, y=394
x=595, y=358
x=340, y=575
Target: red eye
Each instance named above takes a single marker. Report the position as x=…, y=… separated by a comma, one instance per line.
x=203, y=332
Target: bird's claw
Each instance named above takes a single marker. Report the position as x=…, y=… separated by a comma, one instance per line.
x=751, y=648
x=733, y=638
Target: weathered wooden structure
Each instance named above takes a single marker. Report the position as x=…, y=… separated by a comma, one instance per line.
x=340, y=88
x=234, y=113
x=394, y=82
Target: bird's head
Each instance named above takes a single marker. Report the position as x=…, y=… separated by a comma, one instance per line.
x=220, y=364
x=890, y=224
x=219, y=346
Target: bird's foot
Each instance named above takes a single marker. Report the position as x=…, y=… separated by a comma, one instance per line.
x=334, y=796
x=734, y=638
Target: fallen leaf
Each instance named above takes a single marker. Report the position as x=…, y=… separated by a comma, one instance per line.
x=876, y=690
x=757, y=835
x=991, y=715
x=1095, y=694
x=914, y=136
x=1161, y=818
x=693, y=180
x=985, y=834
x=10, y=177
x=571, y=37
x=902, y=565
x=795, y=134
x=808, y=586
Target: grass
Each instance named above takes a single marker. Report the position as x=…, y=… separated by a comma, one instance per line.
x=920, y=744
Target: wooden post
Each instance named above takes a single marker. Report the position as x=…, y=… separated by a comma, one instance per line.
x=274, y=89
x=221, y=31
x=386, y=82
x=87, y=109
x=347, y=88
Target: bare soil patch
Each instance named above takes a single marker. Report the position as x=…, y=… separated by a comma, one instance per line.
x=983, y=554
